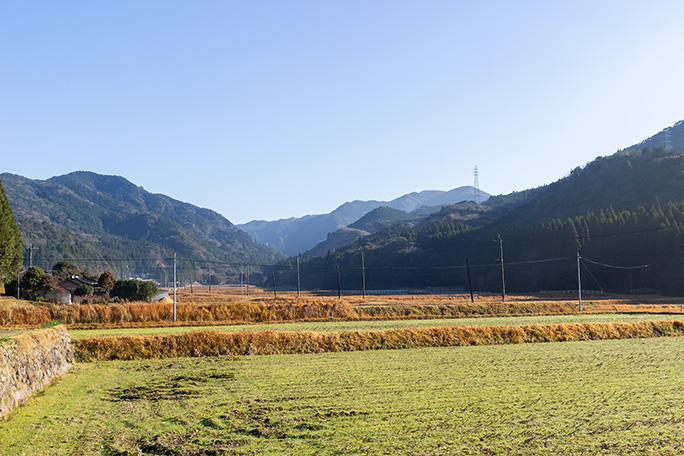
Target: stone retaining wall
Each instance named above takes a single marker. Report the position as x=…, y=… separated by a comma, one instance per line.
x=29, y=362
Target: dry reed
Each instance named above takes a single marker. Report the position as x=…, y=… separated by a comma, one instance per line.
x=212, y=343
x=262, y=311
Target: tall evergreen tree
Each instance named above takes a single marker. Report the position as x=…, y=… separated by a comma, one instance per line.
x=10, y=241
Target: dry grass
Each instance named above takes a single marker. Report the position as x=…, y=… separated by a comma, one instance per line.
x=269, y=310
x=224, y=308
x=212, y=343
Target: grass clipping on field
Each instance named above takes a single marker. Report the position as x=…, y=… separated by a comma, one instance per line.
x=213, y=343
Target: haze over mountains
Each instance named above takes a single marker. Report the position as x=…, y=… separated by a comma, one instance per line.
x=293, y=236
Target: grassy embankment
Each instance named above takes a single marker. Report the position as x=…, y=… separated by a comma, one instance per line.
x=595, y=397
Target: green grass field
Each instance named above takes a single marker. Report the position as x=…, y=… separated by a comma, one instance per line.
x=597, y=397
x=369, y=325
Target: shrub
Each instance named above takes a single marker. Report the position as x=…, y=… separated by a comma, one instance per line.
x=134, y=290
x=84, y=290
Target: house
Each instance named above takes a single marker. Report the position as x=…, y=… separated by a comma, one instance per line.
x=58, y=295
x=72, y=283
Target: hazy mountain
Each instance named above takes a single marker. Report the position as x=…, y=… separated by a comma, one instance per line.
x=297, y=235
x=101, y=219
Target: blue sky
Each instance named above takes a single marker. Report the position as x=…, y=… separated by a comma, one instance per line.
x=273, y=109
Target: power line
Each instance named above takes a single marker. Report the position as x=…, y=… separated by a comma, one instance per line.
x=613, y=266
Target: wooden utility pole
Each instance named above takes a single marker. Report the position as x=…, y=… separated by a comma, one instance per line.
x=579, y=282
x=275, y=293
x=174, y=286
x=682, y=292
x=503, y=277
x=470, y=282
x=339, y=291
x=363, y=274
x=297, y=275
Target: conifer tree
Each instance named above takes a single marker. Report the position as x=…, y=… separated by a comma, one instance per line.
x=10, y=241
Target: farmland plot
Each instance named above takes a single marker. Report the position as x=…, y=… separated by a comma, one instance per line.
x=596, y=397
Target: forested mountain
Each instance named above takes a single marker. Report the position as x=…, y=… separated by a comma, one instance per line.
x=624, y=214
x=108, y=222
x=297, y=235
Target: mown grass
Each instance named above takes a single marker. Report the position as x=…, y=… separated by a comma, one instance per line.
x=594, y=397
x=373, y=325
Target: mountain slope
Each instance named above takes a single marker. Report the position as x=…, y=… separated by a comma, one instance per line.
x=381, y=218
x=623, y=213
x=296, y=235
x=670, y=137
x=94, y=216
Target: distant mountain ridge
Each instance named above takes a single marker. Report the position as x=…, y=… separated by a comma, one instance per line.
x=97, y=217
x=293, y=236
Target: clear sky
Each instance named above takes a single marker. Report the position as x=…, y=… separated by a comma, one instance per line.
x=272, y=109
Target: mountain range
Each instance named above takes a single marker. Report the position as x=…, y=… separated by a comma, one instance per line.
x=296, y=235
x=621, y=216
x=110, y=223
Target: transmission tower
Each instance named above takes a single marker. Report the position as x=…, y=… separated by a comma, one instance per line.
x=476, y=185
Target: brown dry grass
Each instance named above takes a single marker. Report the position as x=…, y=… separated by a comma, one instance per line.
x=267, y=310
x=211, y=343
x=224, y=308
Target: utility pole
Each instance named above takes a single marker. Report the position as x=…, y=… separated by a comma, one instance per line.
x=174, y=286
x=31, y=256
x=470, y=282
x=682, y=292
x=192, y=276
x=247, y=279
x=297, y=275
x=339, y=291
x=503, y=277
x=275, y=294
x=579, y=282
x=363, y=274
